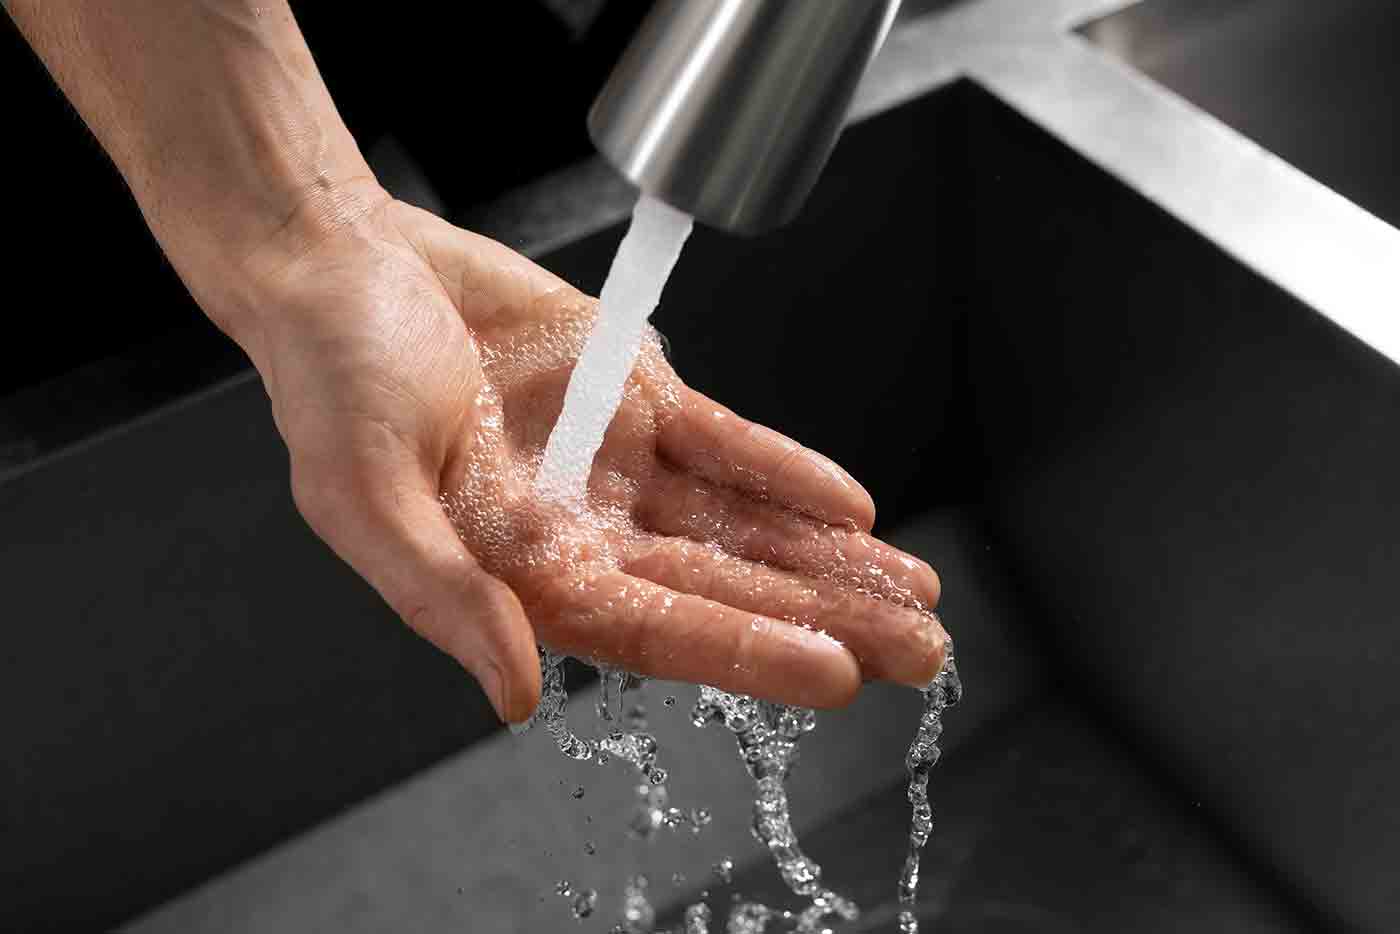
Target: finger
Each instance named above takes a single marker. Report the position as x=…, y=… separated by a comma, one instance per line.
x=644, y=627
x=676, y=505
x=707, y=439
x=382, y=516
x=891, y=642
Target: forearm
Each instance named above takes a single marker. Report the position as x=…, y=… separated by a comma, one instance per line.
x=218, y=119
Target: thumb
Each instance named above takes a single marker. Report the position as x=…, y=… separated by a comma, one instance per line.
x=382, y=516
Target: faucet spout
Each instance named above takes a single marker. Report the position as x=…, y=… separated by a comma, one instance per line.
x=728, y=109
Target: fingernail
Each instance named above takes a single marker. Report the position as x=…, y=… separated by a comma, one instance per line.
x=493, y=683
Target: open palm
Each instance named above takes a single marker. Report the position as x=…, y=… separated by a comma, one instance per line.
x=414, y=366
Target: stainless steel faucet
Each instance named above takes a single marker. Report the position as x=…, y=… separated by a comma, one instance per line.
x=728, y=109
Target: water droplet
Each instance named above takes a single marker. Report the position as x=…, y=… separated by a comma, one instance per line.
x=697, y=919
x=584, y=903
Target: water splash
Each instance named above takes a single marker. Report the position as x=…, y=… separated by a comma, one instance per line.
x=767, y=734
x=583, y=904
x=631, y=744
x=724, y=870
x=697, y=919
x=638, y=915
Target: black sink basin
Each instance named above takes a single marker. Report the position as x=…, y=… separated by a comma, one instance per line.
x=1044, y=825
x=1184, y=474
x=1312, y=82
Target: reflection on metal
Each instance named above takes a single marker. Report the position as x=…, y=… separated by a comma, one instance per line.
x=728, y=109
x=1289, y=228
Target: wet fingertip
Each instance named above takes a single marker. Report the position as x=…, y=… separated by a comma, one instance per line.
x=934, y=653
x=860, y=504
x=933, y=584
x=848, y=500
x=865, y=514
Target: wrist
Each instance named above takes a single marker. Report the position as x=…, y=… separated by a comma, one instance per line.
x=230, y=243
x=232, y=251
x=231, y=145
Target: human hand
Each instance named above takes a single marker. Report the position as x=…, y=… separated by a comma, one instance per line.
x=413, y=365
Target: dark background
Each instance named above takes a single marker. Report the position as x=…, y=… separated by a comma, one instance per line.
x=480, y=96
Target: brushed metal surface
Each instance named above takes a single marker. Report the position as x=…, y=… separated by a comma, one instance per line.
x=728, y=109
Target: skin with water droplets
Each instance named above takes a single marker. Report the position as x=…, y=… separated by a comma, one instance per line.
x=670, y=554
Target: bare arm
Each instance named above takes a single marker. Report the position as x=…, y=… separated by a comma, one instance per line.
x=216, y=116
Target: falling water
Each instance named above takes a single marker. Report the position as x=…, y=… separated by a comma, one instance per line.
x=767, y=734
x=943, y=692
x=639, y=272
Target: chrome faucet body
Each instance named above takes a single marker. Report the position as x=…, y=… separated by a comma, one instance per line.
x=728, y=109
